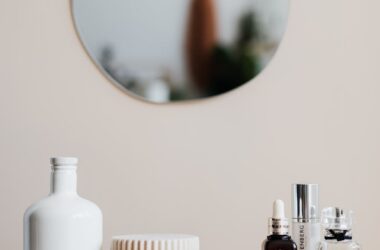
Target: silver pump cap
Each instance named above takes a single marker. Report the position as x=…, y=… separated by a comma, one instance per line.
x=305, y=201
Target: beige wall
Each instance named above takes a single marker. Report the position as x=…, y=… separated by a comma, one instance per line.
x=212, y=167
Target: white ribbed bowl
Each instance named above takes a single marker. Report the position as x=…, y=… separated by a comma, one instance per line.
x=155, y=242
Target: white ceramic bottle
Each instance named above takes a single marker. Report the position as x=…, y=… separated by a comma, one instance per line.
x=63, y=220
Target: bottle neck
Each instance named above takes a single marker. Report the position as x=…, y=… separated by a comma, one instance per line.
x=278, y=226
x=63, y=180
x=337, y=235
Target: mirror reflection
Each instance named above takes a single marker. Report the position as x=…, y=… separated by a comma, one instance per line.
x=172, y=50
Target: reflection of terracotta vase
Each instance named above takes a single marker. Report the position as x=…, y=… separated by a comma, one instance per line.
x=200, y=41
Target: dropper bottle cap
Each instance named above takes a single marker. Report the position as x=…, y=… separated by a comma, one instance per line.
x=278, y=223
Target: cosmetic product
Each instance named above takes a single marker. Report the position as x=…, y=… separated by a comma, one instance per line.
x=337, y=230
x=63, y=220
x=306, y=224
x=278, y=238
x=155, y=242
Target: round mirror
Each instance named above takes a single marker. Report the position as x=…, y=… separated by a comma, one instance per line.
x=173, y=50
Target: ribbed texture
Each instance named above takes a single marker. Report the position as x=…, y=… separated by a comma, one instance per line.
x=155, y=242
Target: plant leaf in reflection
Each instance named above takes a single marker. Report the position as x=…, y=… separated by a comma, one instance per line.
x=238, y=64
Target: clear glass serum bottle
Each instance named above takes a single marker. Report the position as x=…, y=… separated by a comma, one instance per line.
x=337, y=229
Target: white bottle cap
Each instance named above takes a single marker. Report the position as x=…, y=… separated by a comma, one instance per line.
x=278, y=209
x=155, y=242
x=64, y=162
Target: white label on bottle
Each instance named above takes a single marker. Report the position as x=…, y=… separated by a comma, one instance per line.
x=306, y=235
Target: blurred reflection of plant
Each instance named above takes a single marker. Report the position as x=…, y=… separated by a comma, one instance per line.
x=121, y=75
x=235, y=65
x=227, y=66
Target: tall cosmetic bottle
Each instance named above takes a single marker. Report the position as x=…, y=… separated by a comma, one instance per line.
x=306, y=224
x=63, y=220
x=279, y=238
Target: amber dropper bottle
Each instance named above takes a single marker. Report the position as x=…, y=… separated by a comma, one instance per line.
x=279, y=238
